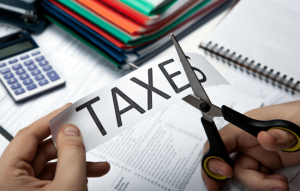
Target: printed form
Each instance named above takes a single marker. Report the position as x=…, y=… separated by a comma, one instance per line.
x=182, y=140
x=162, y=152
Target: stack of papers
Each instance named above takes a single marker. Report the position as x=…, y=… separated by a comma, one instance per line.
x=129, y=31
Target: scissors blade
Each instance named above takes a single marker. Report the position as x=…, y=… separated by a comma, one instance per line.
x=193, y=79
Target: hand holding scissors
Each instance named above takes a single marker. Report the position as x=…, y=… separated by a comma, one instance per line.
x=217, y=149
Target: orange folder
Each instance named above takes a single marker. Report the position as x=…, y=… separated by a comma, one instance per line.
x=128, y=11
x=113, y=17
x=92, y=26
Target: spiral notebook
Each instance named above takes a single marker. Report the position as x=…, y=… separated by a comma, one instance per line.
x=262, y=37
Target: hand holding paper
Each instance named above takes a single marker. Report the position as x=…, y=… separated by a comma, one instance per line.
x=130, y=100
x=24, y=163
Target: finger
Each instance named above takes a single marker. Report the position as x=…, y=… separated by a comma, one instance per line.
x=264, y=170
x=219, y=167
x=211, y=184
x=276, y=139
x=24, y=145
x=97, y=169
x=93, y=169
x=230, y=140
x=246, y=171
x=71, y=165
x=48, y=172
x=46, y=151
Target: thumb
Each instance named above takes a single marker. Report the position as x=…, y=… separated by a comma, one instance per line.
x=276, y=139
x=71, y=163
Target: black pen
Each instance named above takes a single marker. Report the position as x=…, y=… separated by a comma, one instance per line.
x=6, y=134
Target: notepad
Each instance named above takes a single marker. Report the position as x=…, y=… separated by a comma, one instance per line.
x=261, y=37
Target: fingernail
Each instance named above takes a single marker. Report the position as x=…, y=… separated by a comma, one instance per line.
x=274, y=135
x=221, y=173
x=70, y=130
x=277, y=189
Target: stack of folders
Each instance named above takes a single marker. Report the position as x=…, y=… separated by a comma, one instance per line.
x=130, y=31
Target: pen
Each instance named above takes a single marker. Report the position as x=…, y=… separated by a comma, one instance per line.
x=6, y=134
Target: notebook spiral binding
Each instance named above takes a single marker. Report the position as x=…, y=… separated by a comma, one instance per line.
x=251, y=67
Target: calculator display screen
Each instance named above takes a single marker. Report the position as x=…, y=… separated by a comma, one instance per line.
x=15, y=48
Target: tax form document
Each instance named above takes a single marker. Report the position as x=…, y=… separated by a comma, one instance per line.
x=5, y=139
x=162, y=152
x=291, y=172
x=3, y=144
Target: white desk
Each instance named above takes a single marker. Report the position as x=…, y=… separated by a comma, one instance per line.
x=67, y=53
x=3, y=144
x=71, y=57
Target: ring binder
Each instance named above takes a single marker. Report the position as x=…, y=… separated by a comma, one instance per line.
x=257, y=70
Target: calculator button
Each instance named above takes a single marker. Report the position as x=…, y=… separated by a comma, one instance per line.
x=15, y=86
x=2, y=65
x=24, y=76
x=20, y=71
x=12, y=80
x=4, y=71
x=35, y=72
x=28, y=62
x=19, y=91
x=43, y=62
x=53, y=76
x=39, y=58
x=31, y=87
x=24, y=57
x=35, y=53
x=17, y=66
x=28, y=81
x=31, y=67
x=13, y=61
x=43, y=82
x=39, y=77
x=8, y=75
x=47, y=68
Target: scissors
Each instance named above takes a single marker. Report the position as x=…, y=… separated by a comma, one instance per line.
x=201, y=101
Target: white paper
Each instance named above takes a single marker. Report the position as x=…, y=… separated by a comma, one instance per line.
x=84, y=70
x=3, y=144
x=163, y=152
x=254, y=86
x=263, y=31
x=105, y=107
x=290, y=172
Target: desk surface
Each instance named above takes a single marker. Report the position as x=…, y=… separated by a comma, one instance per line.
x=61, y=48
x=83, y=78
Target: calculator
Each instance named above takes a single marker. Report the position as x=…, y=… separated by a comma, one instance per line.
x=25, y=71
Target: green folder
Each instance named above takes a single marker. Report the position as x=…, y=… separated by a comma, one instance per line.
x=118, y=33
x=78, y=37
x=147, y=7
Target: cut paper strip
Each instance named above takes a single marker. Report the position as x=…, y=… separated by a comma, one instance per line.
x=119, y=106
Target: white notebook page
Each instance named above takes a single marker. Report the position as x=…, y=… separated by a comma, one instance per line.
x=267, y=32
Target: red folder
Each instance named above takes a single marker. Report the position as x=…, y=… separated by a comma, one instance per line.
x=146, y=21
x=128, y=11
x=112, y=16
x=92, y=26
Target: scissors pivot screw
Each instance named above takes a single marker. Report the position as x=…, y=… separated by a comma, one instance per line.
x=204, y=107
